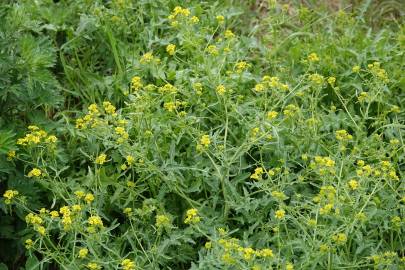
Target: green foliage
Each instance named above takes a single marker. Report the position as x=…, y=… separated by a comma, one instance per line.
x=217, y=135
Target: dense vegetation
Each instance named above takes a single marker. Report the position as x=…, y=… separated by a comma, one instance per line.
x=160, y=134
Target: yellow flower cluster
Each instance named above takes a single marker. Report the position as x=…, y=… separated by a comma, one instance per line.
x=83, y=253
x=212, y=49
x=9, y=195
x=162, y=221
x=221, y=90
x=353, y=184
x=36, y=221
x=343, y=135
x=331, y=81
x=94, y=222
x=198, y=88
x=384, y=259
x=279, y=214
x=241, y=66
x=35, y=172
x=326, y=197
x=356, y=69
x=363, y=96
x=136, y=83
x=220, y=19
x=127, y=264
x=167, y=89
x=279, y=195
x=379, y=72
x=232, y=250
x=313, y=57
x=91, y=118
x=29, y=243
x=171, y=49
x=229, y=34
x=66, y=217
x=316, y=78
x=172, y=106
x=323, y=165
x=122, y=133
x=257, y=175
x=180, y=13
x=148, y=58
x=93, y=266
x=11, y=155
x=101, y=159
x=109, y=108
x=192, y=216
x=274, y=82
x=290, y=110
x=339, y=238
x=35, y=136
x=271, y=115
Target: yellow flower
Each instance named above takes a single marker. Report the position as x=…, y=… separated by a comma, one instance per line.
x=10, y=155
x=208, y=245
x=171, y=49
x=289, y=266
x=356, y=69
x=194, y=20
x=108, y=107
x=51, y=139
x=128, y=211
x=162, y=221
x=192, y=216
x=248, y=252
x=339, y=238
x=266, y=252
x=147, y=58
x=76, y=208
x=130, y=183
x=241, y=66
x=316, y=78
x=9, y=195
x=324, y=248
x=35, y=173
x=29, y=243
x=41, y=230
x=93, y=266
x=123, y=167
x=127, y=264
x=205, y=141
x=271, y=115
x=229, y=34
x=89, y=198
x=353, y=184
x=79, y=194
x=95, y=221
x=221, y=90
x=331, y=80
x=259, y=87
x=313, y=57
x=343, y=135
x=136, y=83
x=212, y=49
x=101, y=159
x=362, y=97
x=280, y=214
x=257, y=175
x=93, y=109
x=65, y=211
x=83, y=253
x=54, y=214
